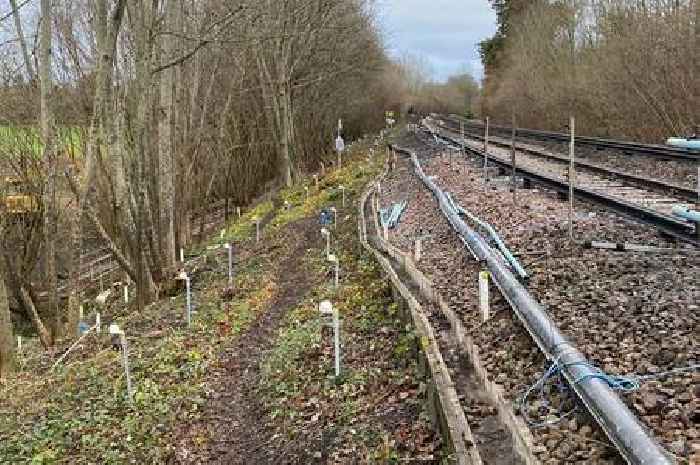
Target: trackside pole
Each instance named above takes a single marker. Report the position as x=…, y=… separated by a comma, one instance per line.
x=572, y=177
x=486, y=150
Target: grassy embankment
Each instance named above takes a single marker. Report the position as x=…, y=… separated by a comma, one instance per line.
x=79, y=414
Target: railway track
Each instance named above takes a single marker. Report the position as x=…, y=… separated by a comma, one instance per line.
x=651, y=150
x=628, y=312
x=646, y=199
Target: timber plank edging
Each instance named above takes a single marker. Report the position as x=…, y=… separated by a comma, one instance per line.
x=522, y=436
x=456, y=428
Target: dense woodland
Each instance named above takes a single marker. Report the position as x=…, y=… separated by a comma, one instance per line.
x=624, y=68
x=125, y=119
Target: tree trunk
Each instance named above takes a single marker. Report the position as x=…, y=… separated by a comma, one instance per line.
x=73, y=313
x=165, y=143
x=44, y=335
x=6, y=338
x=50, y=218
x=22, y=40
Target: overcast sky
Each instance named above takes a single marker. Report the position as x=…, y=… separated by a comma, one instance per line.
x=445, y=32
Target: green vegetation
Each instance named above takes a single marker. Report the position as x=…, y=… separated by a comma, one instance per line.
x=26, y=141
x=370, y=413
x=80, y=412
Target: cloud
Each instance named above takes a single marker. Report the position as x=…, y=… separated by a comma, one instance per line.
x=445, y=32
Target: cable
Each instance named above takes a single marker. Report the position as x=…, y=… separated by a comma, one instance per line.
x=626, y=384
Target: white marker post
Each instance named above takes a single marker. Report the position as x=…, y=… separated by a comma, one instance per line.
x=182, y=255
x=333, y=259
x=19, y=345
x=342, y=190
x=327, y=234
x=339, y=147
x=238, y=212
x=418, y=246
x=116, y=331
x=188, y=288
x=257, y=229
x=126, y=292
x=229, y=246
x=98, y=322
x=484, y=295
x=327, y=310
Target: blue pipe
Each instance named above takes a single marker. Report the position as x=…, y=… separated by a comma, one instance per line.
x=494, y=235
x=684, y=143
x=686, y=213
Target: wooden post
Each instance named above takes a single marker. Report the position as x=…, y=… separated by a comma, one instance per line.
x=486, y=150
x=512, y=160
x=572, y=177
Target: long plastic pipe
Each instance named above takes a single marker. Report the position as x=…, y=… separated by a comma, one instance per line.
x=620, y=425
x=687, y=213
x=494, y=235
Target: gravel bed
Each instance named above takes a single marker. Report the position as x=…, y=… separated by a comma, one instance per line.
x=630, y=313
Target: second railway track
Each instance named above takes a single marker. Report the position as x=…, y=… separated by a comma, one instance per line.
x=649, y=200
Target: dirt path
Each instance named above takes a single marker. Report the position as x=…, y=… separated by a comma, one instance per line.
x=233, y=416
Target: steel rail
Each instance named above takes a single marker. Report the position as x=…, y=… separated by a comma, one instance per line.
x=658, y=151
x=667, y=224
x=685, y=193
x=622, y=427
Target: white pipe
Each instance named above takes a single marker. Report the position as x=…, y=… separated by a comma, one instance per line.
x=327, y=235
x=333, y=259
x=229, y=246
x=327, y=309
x=189, y=300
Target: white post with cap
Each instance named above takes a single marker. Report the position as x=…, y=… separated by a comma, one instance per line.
x=327, y=309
